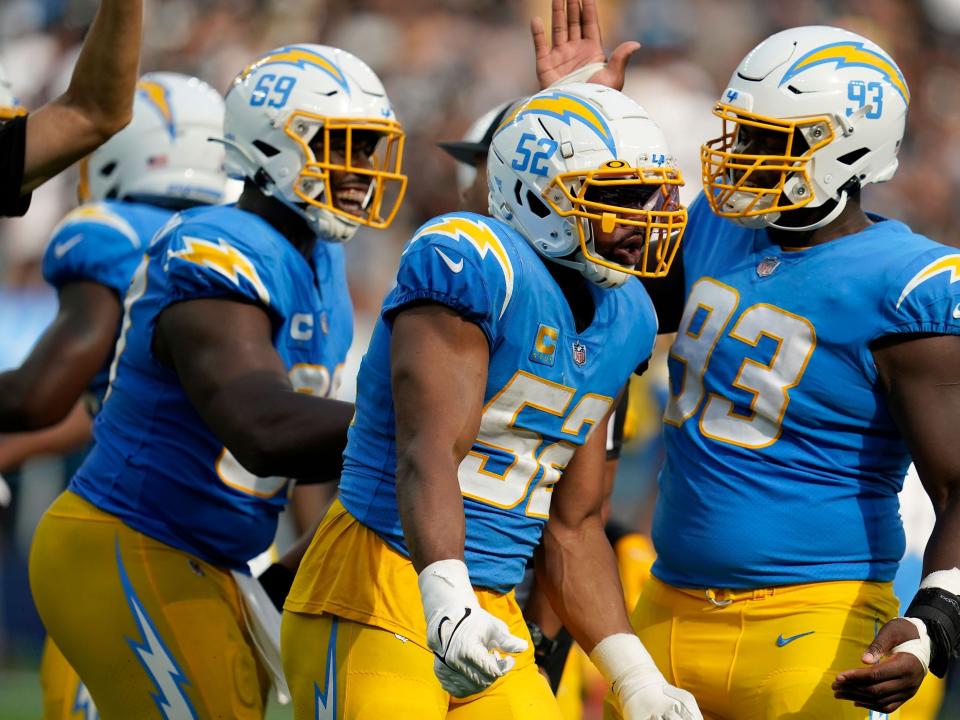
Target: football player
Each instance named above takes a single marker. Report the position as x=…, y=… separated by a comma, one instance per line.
x=816, y=353
x=235, y=325
x=97, y=104
x=552, y=643
x=130, y=187
x=504, y=343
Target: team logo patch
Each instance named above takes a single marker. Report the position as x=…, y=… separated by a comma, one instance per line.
x=768, y=266
x=579, y=353
x=545, y=345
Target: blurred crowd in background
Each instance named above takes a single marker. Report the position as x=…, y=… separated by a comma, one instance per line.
x=444, y=63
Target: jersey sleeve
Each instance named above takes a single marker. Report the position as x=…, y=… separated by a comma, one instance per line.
x=202, y=262
x=460, y=261
x=926, y=295
x=95, y=245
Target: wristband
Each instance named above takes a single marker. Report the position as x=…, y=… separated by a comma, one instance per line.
x=550, y=655
x=580, y=75
x=939, y=610
x=919, y=648
x=618, y=654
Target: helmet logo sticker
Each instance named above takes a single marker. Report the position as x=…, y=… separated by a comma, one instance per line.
x=850, y=54
x=301, y=58
x=159, y=98
x=565, y=108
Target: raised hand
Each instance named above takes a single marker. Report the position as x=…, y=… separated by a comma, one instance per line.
x=577, y=44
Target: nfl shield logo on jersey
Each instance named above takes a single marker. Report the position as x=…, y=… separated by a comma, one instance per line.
x=579, y=352
x=768, y=266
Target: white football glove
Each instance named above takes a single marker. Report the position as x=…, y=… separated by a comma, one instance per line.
x=466, y=640
x=640, y=689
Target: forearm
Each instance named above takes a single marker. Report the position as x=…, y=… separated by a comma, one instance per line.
x=273, y=430
x=538, y=610
x=577, y=571
x=104, y=78
x=430, y=505
x=98, y=101
x=27, y=405
x=943, y=547
x=65, y=437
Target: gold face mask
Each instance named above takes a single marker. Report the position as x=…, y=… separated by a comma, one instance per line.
x=619, y=194
x=747, y=168
x=335, y=148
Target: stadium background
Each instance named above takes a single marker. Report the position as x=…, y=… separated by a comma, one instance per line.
x=444, y=63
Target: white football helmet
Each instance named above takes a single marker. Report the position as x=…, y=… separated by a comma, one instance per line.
x=289, y=109
x=824, y=111
x=10, y=106
x=577, y=153
x=165, y=152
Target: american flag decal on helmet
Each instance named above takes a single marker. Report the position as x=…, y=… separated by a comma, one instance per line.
x=579, y=352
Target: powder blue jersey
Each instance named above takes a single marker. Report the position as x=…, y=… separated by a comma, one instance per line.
x=155, y=464
x=101, y=243
x=548, y=386
x=783, y=462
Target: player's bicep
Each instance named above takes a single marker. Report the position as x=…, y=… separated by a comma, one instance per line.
x=439, y=364
x=216, y=343
x=921, y=378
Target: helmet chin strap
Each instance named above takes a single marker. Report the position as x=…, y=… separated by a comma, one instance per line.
x=825, y=220
x=324, y=223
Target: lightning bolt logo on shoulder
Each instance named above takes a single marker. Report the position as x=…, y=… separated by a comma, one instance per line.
x=224, y=259
x=481, y=236
x=946, y=264
x=100, y=214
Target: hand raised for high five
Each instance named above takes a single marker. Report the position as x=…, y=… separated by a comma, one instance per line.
x=576, y=44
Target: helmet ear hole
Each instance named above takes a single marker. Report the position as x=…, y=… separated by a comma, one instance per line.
x=108, y=168
x=536, y=205
x=266, y=148
x=517, y=187
x=851, y=157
